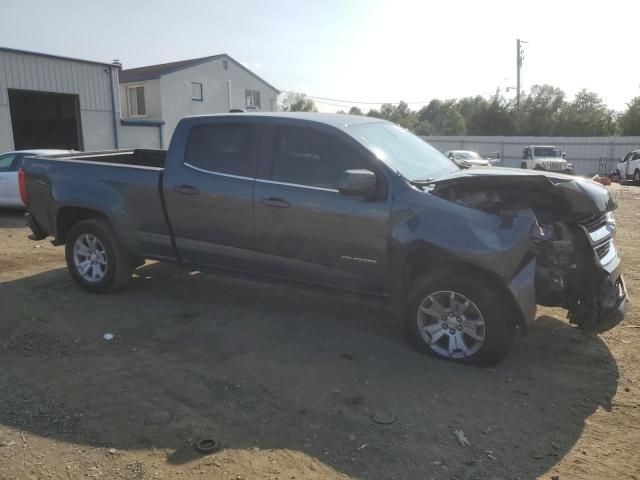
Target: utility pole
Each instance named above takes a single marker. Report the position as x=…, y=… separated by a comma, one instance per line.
x=519, y=58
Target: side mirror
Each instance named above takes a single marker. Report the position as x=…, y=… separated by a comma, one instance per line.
x=564, y=154
x=359, y=183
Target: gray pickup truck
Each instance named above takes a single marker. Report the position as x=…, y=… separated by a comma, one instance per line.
x=343, y=203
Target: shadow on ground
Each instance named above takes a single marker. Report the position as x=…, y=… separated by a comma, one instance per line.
x=254, y=365
x=11, y=218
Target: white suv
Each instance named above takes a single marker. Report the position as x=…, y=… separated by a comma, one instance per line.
x=544, y=157
x=629, y=167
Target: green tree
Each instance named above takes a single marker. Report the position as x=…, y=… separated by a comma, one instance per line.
x=495, y=116
x=539, y=110
x=298, y=102
x=629, y=120
x=355, y=111
x=587, y=115
x=441, y=118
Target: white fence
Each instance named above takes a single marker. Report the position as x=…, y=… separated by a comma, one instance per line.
x=589, y=155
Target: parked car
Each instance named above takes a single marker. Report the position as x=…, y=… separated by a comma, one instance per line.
x=10, y=163
x=467, y=158
x=544, y=157
x=628, y=168
x=347, y=204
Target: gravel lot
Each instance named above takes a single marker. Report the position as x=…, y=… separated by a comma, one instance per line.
x=290, y=382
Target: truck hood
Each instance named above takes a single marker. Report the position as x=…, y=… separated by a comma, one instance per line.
x=567, y=194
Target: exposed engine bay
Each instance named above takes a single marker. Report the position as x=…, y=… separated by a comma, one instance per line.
x=576, y=264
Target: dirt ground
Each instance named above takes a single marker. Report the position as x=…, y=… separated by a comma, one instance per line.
x=289, y=383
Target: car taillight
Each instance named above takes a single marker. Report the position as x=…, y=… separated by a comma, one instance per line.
x=22, y=183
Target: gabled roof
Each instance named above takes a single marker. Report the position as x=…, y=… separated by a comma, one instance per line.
x=151, y=72
x=60, y=57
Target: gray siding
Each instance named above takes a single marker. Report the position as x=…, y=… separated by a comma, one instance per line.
x=585, y=153
x=24, y=71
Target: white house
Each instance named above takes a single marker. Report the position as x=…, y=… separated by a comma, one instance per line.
x=160, y=95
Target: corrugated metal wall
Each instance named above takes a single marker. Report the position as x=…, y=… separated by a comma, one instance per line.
x=585, y=153
x=40, y=73
x=89, y=81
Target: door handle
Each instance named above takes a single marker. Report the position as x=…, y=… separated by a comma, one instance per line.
x=275, y=202
x=187, y=190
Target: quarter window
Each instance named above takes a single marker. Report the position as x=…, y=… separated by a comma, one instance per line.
x=196, y=91
x=305, y=156
x=252, y=99
x=137, y=106
x=6, y=162
x=221, y=148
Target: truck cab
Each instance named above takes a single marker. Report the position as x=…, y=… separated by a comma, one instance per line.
x=628, y=168
x=545, y=157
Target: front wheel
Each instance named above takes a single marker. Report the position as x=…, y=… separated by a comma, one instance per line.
x=458, y=318
x=95, y=259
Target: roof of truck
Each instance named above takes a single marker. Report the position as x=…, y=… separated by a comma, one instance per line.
x=333, y=119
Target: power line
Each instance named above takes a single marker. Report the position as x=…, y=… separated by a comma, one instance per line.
x=344, y=103
x=355, y=101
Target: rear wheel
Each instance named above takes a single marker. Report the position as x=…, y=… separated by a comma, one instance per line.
x=636, y=176
x=458, y=318
x=523, y=165
x=95, y=259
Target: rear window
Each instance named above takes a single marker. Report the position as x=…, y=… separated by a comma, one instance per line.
x=221, y=148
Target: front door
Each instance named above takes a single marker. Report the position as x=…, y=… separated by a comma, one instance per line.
x=308, y=231
x=209, y=195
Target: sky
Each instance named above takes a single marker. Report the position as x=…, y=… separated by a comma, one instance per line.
x=357, y=50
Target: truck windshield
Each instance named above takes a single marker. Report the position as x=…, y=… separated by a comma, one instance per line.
x=547, y=152
x=402, y=151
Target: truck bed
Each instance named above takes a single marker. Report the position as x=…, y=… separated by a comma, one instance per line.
x=141, y=157
x=123, y=185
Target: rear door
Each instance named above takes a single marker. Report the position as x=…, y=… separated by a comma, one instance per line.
x=305, y=229
x=208, y=190
x=9, y=192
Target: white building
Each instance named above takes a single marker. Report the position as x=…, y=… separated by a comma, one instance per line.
x=48, y=101
x=160, y=95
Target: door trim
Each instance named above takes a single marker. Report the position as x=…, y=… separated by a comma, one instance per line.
x=210, y=172
x=310, y=187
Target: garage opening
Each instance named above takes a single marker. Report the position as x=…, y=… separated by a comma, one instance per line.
x=45, y=120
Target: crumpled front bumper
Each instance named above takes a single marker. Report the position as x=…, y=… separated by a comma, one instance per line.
x=612, y=304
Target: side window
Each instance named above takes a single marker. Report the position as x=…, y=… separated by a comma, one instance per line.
x=636, y=156
x=221, y=148
x=309, y=157
x=6, y=162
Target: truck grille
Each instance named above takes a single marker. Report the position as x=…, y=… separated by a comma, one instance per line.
x=555, y=166
x=601, y=236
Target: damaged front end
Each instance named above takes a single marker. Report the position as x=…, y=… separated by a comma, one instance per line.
x=576, y=263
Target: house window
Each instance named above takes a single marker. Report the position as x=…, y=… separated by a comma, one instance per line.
x=137, y=107
x=252, y=99
x=225, y=65
x=196, y=91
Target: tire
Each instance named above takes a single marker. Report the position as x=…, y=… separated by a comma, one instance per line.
x=497, y=332
x=109, y=267
x=636, y=176
x=523, y=165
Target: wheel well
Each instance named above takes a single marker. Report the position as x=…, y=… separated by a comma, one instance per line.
x=69, y=216
x=424, y=262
